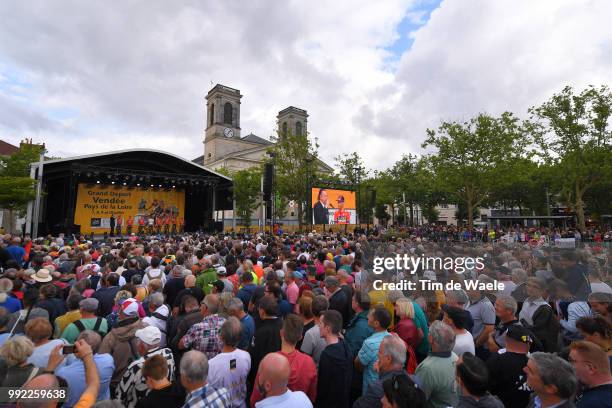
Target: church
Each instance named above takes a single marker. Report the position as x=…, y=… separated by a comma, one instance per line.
x=225, y=147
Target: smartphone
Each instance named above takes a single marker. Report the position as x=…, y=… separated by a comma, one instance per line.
x=68, y=350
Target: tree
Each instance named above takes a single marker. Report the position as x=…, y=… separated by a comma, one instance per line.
x=471, y=156
x=573, y=133
x=246, y=191
x=382, y=214
x=352, y=170
x=17, y=189
x=291, y=155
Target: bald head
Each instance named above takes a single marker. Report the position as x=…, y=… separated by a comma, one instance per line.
x=274, y=373
x=190, y=281
x=45, y=381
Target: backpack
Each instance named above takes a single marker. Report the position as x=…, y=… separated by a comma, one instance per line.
x=81, y=327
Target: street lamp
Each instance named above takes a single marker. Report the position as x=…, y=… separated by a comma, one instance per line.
x=357, y=172
x=309, y=160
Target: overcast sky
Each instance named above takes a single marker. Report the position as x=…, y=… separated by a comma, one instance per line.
x=94, y=76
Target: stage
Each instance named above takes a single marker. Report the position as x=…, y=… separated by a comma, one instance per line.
x=89, y=193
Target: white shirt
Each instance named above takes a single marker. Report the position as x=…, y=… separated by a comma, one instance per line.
x=464, y=342
x=290, y=399
x=159, y=323
x=156, y=273
x=230, y=370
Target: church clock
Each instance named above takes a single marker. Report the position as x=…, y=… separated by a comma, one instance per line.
x=228, y=132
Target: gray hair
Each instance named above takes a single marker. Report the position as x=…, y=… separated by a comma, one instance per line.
x=331, y=281
x=156, y=299
x=235, y=305
x=194, y=366
x=231, y=331
x=6, y=285
x=442, y=335
x=512, y=265
x=519, y=274
x=213, y=307
x=395, y=348
x=508, y=302
x=92, y=338
x=460, y=296
x=554, y=370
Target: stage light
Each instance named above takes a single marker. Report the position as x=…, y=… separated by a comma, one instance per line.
x=151, y=185
x=112, y=182
x=88, y=174
x=138, y=184
x=125, y=184
x=160, y=185
x=97, y=181
x=173, y=186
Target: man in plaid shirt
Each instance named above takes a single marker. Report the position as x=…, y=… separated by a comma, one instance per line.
x=204, y=336
x=194, y=373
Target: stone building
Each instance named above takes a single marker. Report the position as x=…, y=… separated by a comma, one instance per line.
x=225, y=147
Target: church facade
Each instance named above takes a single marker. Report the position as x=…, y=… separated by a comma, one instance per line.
x=224, y=145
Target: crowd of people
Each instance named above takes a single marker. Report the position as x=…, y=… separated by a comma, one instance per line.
x=236, y=320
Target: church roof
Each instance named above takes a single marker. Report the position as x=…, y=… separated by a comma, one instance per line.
x=256, y=139
x=7, y=149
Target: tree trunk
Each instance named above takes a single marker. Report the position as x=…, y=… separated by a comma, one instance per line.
x=470, y=215
x=411, y=214
x=580, y=209
x=10, y=221
x=300, y=211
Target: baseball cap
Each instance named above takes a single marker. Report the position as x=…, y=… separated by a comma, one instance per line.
x=221, y=270
x=129, y=307
x=149, y=334
x=519, y=333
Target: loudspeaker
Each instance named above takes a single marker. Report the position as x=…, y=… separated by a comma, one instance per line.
x=267, y=181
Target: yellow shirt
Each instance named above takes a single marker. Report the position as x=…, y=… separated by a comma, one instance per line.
x=64, y=320
x=381, y=297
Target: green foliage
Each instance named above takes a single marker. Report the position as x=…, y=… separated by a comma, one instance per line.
x=472, y=157
x=573, y=134
x=292, y=153
x=246, y=192
x=381, y=213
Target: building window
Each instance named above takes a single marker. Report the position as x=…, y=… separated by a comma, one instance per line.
x=284, y=128
x=298, y=128
x=212, y=114
x=227, y=113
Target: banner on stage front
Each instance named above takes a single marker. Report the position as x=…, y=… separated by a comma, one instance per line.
x=332, y=207
x=96, y=204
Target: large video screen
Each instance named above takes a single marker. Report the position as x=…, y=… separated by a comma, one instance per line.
x=333, y=206
x=97, y=203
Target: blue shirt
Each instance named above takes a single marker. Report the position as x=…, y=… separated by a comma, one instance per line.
x=248, y=330
x=368, y=355
x=11, y=304
x=17, y=253
x=74, y=374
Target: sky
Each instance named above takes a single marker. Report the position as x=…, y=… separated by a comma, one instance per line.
x=87, y=77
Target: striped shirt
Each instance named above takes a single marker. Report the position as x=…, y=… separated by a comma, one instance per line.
x=133, y=386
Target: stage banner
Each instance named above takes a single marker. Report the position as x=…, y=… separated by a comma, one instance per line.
x=96, y=204
x=333, y=207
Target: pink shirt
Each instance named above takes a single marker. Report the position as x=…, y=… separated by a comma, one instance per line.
x=293, y=292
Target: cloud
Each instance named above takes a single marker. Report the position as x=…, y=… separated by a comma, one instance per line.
x=100, y=78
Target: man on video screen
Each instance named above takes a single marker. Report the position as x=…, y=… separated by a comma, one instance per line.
x=320, y=210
